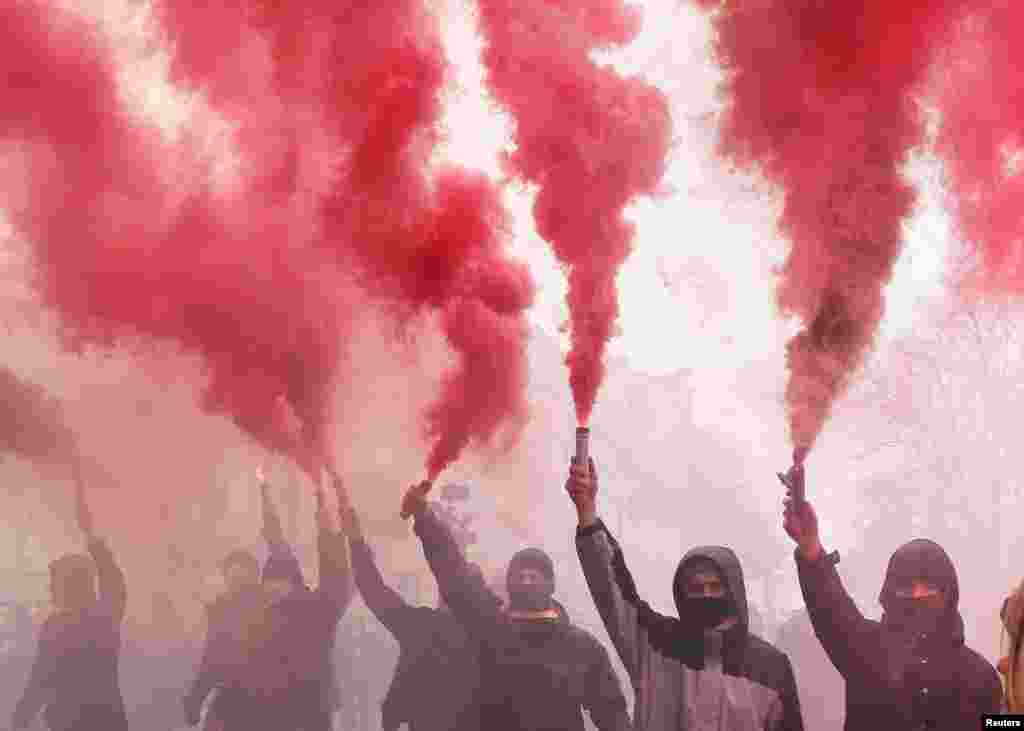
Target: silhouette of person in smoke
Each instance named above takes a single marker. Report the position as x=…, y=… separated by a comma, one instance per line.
x=228, y=649
x=75, y=673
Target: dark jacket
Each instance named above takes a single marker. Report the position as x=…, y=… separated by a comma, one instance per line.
x=284, y=681
x=895, y=678
x=227, y=619
x=754, y=689
x=437, y=677
x=534, y=675
x=75, y=673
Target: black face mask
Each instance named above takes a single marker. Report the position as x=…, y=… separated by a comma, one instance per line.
x=707, y=612
x=528, y=598
x=913, y=615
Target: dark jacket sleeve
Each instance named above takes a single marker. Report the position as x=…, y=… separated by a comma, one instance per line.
x=39, y=689
x=208, y=673
x=335, y=574
x=476, y=607
x=792, y=719
x=113, y=590
x=604, y=699
x=386, y=604
x=838, y=623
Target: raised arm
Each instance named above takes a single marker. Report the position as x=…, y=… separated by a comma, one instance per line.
x=626, y=617
x=332, y=547
x=113, y=590
x=836, y=619
x=387, y=605
x=476, y=607
x=273, y=532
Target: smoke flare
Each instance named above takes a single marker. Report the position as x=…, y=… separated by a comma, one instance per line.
x=820, y=100
x=591, y=140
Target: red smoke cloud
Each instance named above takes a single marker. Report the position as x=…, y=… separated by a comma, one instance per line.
x=33, y=425
x=591, y=140
x=820, y=100
x=367, y=81
x=980, y=139
x=120, y=254
x=422, y=243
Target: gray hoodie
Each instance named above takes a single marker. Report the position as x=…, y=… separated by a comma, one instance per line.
x=683, y=677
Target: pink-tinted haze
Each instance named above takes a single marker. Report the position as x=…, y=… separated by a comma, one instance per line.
x=820, y=100
x=122, y=254
x=32, y=425
x=982, y=124
x=590, y=140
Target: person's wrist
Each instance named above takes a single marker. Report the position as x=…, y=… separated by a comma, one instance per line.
x=587, y=517
x=811, y=550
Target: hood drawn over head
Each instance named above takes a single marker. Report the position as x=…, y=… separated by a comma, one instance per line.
x=925, y=560
x=732, y=574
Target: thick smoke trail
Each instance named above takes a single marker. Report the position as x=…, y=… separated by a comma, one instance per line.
x=120, y=256
x=33, y=425
x=981, y=137
x=591, y=140
x=820, y=99
x=368, y=80
x=425, y=245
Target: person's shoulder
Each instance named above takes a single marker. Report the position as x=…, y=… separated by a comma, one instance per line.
x=978, y=666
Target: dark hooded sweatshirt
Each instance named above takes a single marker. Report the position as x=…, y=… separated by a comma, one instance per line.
x=897, y=677
x=75, y=673
x=283, y=683
x=534, y=675
x=685, y=679
x=436, y=680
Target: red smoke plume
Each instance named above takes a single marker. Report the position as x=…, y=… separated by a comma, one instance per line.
x=591, y=140
x=119, y=255
x=422, y=244
x=33, y=425
x=368, y=80
x=820, y=100
x=981, y=140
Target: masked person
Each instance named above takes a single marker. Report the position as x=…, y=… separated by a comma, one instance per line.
x=537, y=670
x=435, y=683
x=75, y=672
x=912, y=670
x=702, y=670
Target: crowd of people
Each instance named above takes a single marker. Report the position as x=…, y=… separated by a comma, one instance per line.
x=484, y=660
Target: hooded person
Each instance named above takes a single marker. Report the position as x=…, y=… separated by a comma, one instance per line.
x=700, y=670
x=278, y=672
x=538, y=671
x=912, y=669
x=436, y=679
x=75, y=672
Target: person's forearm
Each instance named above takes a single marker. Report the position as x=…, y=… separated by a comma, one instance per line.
x=586, y=518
